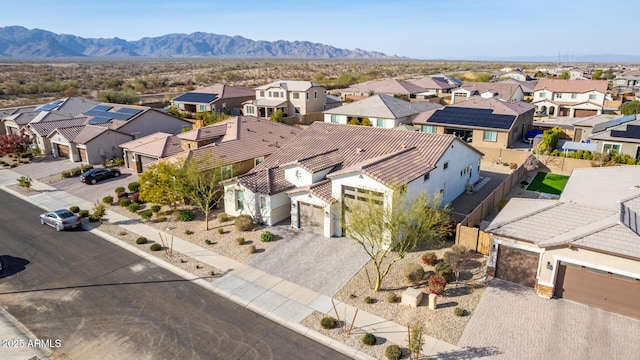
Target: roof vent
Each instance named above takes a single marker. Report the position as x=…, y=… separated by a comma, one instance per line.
x=359, y=150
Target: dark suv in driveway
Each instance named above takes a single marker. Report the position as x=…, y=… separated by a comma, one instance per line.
x=98, y=174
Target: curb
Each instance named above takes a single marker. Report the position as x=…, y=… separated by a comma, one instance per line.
x=43, y=352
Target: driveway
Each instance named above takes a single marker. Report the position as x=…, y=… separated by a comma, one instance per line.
x=41, y=167
x=512, y=322
x=311, y=260
x=99, y=190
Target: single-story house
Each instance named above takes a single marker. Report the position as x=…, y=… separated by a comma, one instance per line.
x=310, y=177
x=505, y=91
x=391, y=87
x=88, y=143
x=623, y=138
x=15, y=119
x=222, y=98
x=583, y=247
x=432, y=87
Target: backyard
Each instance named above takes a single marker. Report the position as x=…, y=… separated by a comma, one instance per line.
x=548, y=183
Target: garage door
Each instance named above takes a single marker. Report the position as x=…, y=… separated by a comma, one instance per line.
x=600, y=289
x=63, y=151
x=584, y=113
x=311, y=218
x=516, y=265
x=83, y=155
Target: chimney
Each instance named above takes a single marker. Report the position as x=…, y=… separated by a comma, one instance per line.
x=198, y=124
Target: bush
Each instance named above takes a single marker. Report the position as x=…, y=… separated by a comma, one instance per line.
x=429, y=258
x=186, y=215
x=13, y=165
x=437, y=284
x=107, y=199
x=458, y=311
x=122, y=195
x=369, y=300
x=135, y=197
x=146, y=215
x=119, y=190
x=99, y=210
x=223, y=217
x=133, y=207
x=328, y=322
x=267, y=236
x=83, y=213
x=369, y=339
x=141, y=240
x=134, y=186
x=74, y=209
x=155, y=247
x=220, y=231
x=86, y=167
x=188, y=232
x=392, y=297
x=443, y=269
x=412, y=273
x=243, y=222
x=156, y=208
x=208, y=242
x=240, y=240
x=24, y=181
x=393, y=352
x=513, y=166
x=93, y=219
x=252, y=249
x=125, y=202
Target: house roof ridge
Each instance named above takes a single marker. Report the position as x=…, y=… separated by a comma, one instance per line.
x=580, y=232
x=521, y=217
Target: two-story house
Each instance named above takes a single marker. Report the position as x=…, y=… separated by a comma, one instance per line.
x=221, y=98
x=570, y=98
x=500, y=90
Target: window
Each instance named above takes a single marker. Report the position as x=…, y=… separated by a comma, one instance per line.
x=226, y=172
x=574, y=96
x=380, y=122
x=261, y=93
x=295, y=95
x=239, y=200
x=270, y=94
x=203, y=108
x=334, y=118
x=315, y=94
x=490, y=136
x=276, y=94
x=258, y=160
x=559, y=96
x=307, y=96
x=446, y=165
x=263, y=202
x=592, y=96
x=250, y=109
x=543, y=94
x=607, y=148
x=296, y=109
x=426, y=177
x=429, y=129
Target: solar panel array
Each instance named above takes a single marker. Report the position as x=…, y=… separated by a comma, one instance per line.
x=101, y=114
x=196, y=97
x=632, y=132
x=472, y=117
x=50, y=106
x=615, y=122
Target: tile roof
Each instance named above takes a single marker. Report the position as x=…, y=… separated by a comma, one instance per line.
x=88, y=133
x=158, y=145
x=387, y=86
x=290, y=85
x=527, y=86
x=428, y=83
x=321, y=189
x=69, y=132
x=319, y=162
x=615, y=182
x=387, y=155
x=498, y=106
x=505, y=91
x=627, y=132
x=572, y=86
x=383, y=106
x=616, y=238
x=44, y=128
x=204, y=133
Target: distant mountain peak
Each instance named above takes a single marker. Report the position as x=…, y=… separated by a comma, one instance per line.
x=20, y=42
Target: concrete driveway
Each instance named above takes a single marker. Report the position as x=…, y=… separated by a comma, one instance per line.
x=41, y=167
x=311, y=260
x=99, y=190
x=512, y=322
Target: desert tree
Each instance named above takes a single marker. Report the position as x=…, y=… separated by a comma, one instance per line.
x=159, y=184
x=201, y=187
x=630, y=107
x=387, y=231
x=15, y=143
x=458, y=258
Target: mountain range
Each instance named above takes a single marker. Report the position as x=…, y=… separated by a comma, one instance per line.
x=23, y=43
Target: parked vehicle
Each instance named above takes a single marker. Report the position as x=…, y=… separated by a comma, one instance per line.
x=60, y=219
x=98, y=174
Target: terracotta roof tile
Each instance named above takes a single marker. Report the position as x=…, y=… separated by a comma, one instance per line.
x=44, y=128
x=158, y=145
x=572, y=86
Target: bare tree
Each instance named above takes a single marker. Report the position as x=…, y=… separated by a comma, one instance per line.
x=201, y=187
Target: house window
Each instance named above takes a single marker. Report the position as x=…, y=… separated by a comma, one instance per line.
x=607, y=148
x=276, y=94
x=315, y=94
x=490, y=135
x=203, y=108
x=574, y=96
x=239, y=200
x=446, y=165
x=543, y=94
x=258, y=160
x=295, y=95
x=380, y=122
x=592, y=96
x=263, y=202
x=270, y=94
x=426, y=177
x=296, y=110
x=334, y=118
x=429, y=129
x=559, y=96
x=261, y=93
x=250, y=109
x=307, y=96
x=226, y=172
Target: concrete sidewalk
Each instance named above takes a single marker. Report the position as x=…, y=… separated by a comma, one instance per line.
x=268, y=295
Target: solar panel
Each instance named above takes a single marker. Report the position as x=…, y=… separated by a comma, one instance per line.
x=102, y=107
x=92, y=112
x=632, y=132
x=131, y=111
x=98, y=120
x=472, y=117
x=196, y=97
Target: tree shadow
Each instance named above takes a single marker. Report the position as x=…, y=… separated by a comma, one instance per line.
x=447, y=304
x=12, y=265
x=469, y=353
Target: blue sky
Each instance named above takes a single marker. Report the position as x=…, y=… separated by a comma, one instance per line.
x=425, y=29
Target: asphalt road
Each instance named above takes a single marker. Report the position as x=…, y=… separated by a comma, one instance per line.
x=102, y=302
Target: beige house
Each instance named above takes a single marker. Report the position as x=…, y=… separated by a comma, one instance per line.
x=589, y=254
x=390, y=87
x=221, y=98
x=570, y=98
x=293, y=98
x=623, y=138
x=87, y=143
x=480, y=122
x=504, y=91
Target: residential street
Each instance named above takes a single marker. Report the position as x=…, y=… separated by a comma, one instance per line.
x=102, y=302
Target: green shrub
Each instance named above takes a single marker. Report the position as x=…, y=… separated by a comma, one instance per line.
x=369, y=300
x=369, y=339
x=243, y=222
x=155, y=247
x=437, y=284
x=107, y=199
x=412, y=273
x=24, y=182
x=392, y=297
x=267, y=236
x=133, y=207
x=208, y=242
x=186, y=215
x=328, y=322
x=119, y=190
x=86, y=167
x=251, y=249
x=458, y=311
x=74, y=209
x=223, y=217
x=83, y=213
x=429, y=258
x=188, y=232
x=443, y=269
x=99, y=210
x=141, y=240
x=147, y=214
x=13, y=165
x=93, y=219
x=240, y=240
x=220, y=231
x=125, y=202
x=156, y=208
x=134, y=186
x=393, y=352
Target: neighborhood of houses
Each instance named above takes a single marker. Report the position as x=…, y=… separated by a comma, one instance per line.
x=364, y=142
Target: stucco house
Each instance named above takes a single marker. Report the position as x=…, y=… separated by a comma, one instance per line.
x=501, y=90
x=391, y=87
x=571, y=98
x=623, y=137
x=480, y=122
x=627, y=82
x=582, y=247
x=221, y=98
x=90, y=144
x=309, y=177
x=432, y=87
x=383, y=111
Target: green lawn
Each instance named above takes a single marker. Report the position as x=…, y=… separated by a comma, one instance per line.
x=548, y=183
